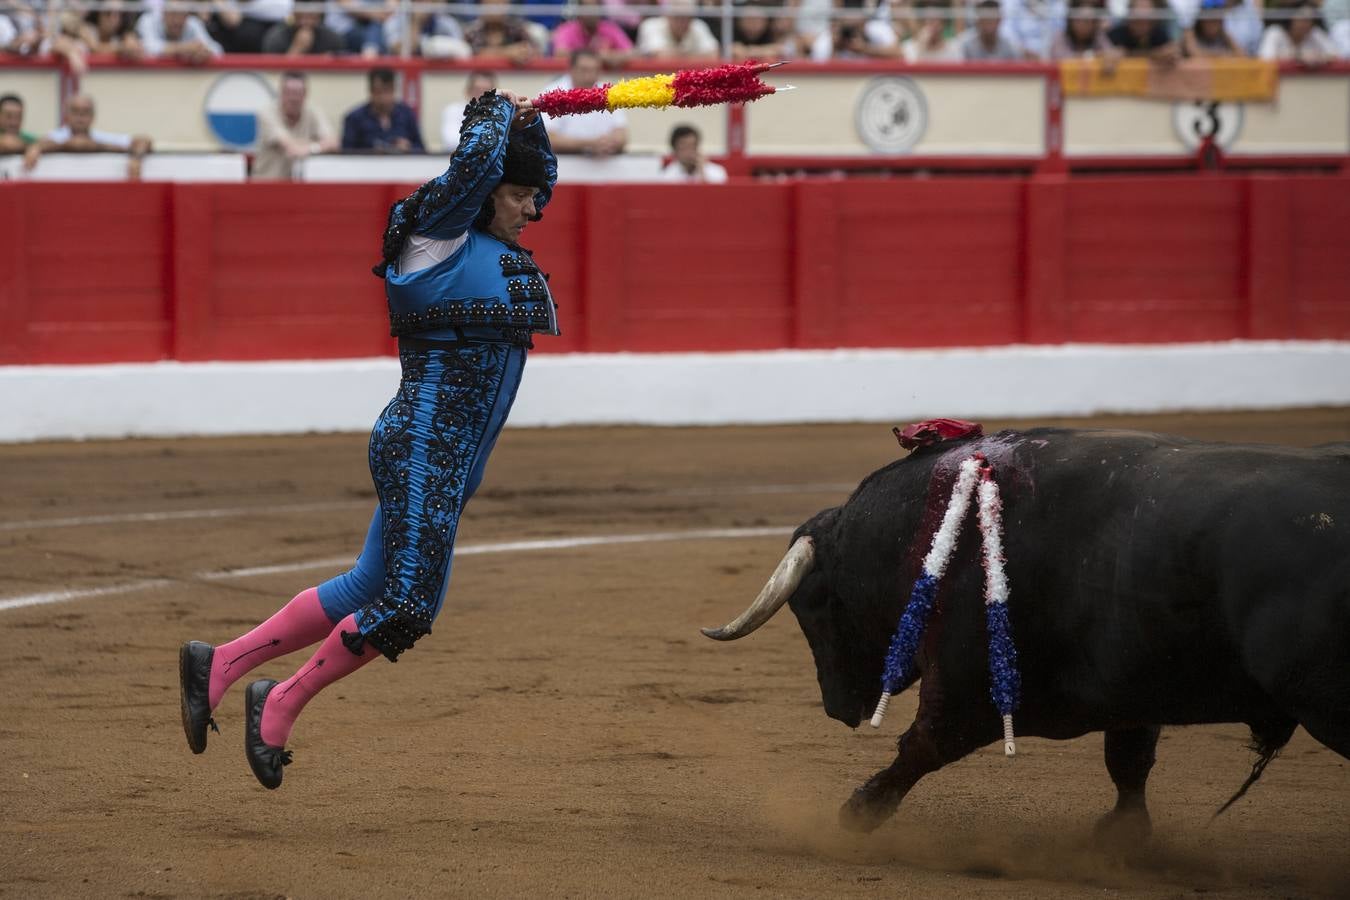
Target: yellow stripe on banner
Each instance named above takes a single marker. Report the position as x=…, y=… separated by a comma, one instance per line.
x=655, y=91
x=1231, y=80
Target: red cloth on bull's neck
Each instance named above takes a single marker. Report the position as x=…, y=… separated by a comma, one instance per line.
x=933, y=431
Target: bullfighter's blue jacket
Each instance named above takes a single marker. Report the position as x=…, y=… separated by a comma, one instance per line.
x=486, y=285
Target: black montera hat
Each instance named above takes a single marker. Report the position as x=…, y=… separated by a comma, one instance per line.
x=524, y=165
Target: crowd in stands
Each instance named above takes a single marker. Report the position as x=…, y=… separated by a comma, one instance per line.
x=292, y=128
x=1307, y=31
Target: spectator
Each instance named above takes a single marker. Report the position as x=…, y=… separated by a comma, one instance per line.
x=431, y=34
x=753, y=35
x=78, y=135
x=13, y=139
x=1143, y=33
x=67, y=41
x=452, y=117
x=1207, y=36
x=240, y=25
x=112, y=30
x=177, y=34
x=984, y=42
x=677, y=33
x=1299, y=38
x=1241, y=20
x=855, y=34
x=20, y=28
x=929, y=41
x=1033, y=25
x=688, y=164
x=360, y=24
x=1340, y=36
x=290, y=131
x=499, y=34
x=304, y=33
x=1083, y=36
x=383, y=125
x=813, y=18
x=591, y=32
x=595, y=133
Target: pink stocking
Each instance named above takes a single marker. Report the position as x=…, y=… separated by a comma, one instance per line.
x=330, y=662
x=297, y=624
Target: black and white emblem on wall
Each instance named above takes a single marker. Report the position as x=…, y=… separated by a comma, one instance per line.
x=892, y=115
x=1194, y=121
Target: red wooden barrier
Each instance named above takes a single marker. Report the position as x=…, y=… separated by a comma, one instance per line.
x=102, y=273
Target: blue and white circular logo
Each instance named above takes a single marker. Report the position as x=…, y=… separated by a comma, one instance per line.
x=232, y=105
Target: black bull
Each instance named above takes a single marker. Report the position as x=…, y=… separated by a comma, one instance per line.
x=1154, y=581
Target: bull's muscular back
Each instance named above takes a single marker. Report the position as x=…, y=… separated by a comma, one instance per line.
x=1154, y=579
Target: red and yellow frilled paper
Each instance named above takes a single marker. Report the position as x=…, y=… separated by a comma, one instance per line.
x=732, y=83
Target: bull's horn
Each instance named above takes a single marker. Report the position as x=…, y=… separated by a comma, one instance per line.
x=784, y=580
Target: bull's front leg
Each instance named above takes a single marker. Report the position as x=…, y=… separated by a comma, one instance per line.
x=1130, y=754
x=877, y=800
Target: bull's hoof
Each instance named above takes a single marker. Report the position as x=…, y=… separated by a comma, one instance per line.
x=1122, y=830
x=863, y=812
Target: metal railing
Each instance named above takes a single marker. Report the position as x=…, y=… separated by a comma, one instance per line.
x=958, y=14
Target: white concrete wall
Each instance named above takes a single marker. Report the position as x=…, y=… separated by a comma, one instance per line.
x=168, y=399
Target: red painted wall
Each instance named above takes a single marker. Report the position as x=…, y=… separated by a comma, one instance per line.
x=104, y=273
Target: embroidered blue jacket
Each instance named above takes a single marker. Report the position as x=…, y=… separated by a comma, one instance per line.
x=485, y=284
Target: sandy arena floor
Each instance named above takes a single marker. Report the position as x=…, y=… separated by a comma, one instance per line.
x=566, y=731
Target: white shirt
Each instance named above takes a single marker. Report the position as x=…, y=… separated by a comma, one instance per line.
x=8, y=31
x=712, y=173
x=1340, y=36
x=654, y=37
x=451, y=119
x=110, y=138
x=422, y=252
x=1276, y=44
x=950, y=51
x=1033, y=24
x=150, y=28
x=877, y=33
x=583, y=127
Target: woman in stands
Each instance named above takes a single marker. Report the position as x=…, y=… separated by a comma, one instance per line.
x=464, y=299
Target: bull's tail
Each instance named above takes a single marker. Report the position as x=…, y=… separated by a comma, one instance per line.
x=1268, y=739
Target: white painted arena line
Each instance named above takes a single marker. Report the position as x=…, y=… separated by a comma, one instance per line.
x=568, y=543
x=82, y=593
x=179, y=515
x=232, y=511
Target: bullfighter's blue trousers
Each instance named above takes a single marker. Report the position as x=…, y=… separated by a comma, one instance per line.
x=428, y=451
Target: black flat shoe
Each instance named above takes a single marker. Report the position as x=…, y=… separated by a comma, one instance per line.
x=194, y=681
x=265, y=760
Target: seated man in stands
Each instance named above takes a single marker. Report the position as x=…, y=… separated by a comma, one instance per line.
x=290, y=131
x=383, y=125
x=1145, y=33
x=78, y=135
x=304, y=34
x=452, y=116
x=688, y=164
x=176, y=34
x=13, y=139
x=985, y=41
x=594, y=133
x=676, y=34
